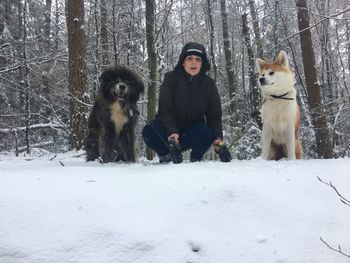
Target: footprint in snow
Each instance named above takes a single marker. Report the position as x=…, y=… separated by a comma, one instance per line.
x=194, y=247
x=261, y=239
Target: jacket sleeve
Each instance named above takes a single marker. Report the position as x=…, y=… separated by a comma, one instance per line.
x=166, y=108
x=214, y=112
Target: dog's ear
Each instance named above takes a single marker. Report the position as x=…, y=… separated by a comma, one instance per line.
x=106, y=76
x=259, y=64
x=140, y=85
x=282, y=59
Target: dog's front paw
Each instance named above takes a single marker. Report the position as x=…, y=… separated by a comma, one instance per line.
x=92, y=151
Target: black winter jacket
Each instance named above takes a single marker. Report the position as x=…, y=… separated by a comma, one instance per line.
x=185, y=100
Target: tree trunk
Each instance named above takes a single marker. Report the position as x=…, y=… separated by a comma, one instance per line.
x=228, y=58
x=115, y=28
x=129, y=32
x=25, y=81
x=323, y=32
x=275, y=24
x=319, y=120
x=77, y=72
x=259, y=46
x=57, y=27
x=96, y=49
x=348, y=40
x=104, y=35
x=152, y=66
x=47, y=24
x=211, y=39
x=46, y=66
x=254, y=91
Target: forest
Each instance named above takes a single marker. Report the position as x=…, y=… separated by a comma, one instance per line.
x=52, y=53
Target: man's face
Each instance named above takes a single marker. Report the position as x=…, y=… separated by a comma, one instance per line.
x=192, y=64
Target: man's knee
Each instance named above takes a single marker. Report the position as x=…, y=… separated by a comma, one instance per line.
x=147, y=132
x=203, y=132
x=154, y=136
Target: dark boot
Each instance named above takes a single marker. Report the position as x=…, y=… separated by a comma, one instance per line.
x=194, y=159
x=175, y=151
x=165, y=158
x=223, y=153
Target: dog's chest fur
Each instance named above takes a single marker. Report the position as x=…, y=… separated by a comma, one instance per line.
x=119, y=116
x=278, y=116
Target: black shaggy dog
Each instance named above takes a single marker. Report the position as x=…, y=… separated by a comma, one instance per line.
x=113, y=118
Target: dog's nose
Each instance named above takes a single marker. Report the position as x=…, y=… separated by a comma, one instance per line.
x=122, y=87
x=262, y=80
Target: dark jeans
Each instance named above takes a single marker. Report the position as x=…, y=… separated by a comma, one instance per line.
x=198, y=138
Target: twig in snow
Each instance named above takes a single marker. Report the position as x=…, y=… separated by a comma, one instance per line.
x=339, y=250
x=342, y=198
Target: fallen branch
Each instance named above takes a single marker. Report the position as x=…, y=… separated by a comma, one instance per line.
x=344, y=201
x=342, y=198
x=34, y=126
x=339, y=250
x=36, y=145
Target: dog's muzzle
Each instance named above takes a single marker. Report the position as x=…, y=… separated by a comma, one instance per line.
x=120, y=91
x=262, y=81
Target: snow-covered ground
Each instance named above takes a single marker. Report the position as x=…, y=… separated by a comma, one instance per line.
x=59, y=209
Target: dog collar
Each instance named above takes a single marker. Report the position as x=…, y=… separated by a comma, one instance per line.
x=282, y=97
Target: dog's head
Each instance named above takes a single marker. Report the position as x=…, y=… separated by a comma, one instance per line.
x=275, y=78
x=121, y=84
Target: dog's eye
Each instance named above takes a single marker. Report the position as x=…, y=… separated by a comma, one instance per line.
x=271, y=73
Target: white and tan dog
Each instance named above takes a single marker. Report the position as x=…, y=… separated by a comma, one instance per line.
x=280, y=112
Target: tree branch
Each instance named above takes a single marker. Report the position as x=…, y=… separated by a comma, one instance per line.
x=34, y=126
x=164, y=21
x=342, y=198
x=314, y=25
x=339, y=250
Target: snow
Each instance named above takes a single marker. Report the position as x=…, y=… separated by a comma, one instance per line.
x=62, y=209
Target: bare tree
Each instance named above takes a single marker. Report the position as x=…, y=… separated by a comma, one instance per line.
x=319, y=119
x=104, y=34
x=256, y=28
x=211, y=38
x=47, y=45
x=228, y=57
x=25, y=75
x=152, y=65
x=348, y=39
x=77, y=72
x=254, y=91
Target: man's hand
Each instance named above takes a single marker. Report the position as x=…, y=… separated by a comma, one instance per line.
x=221, y=149
x=217, y=143
x=175, y=148
x=174, y=136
